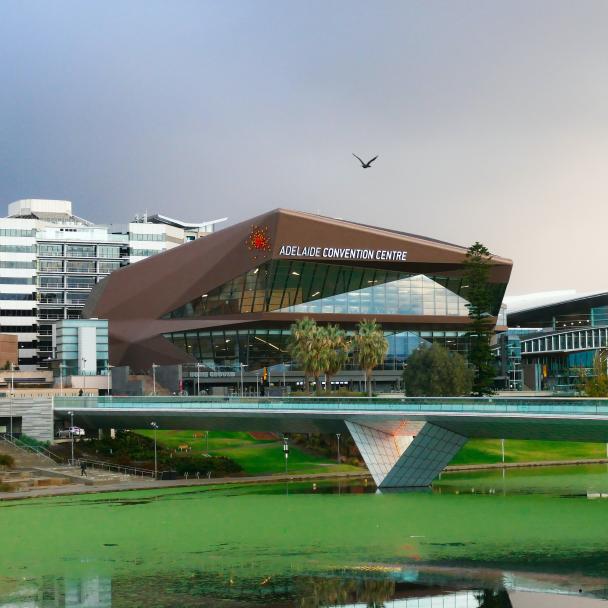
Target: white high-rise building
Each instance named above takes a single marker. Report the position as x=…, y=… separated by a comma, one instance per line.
x=50, y=259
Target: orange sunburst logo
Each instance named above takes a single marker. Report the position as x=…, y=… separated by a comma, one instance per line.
x=258, y=241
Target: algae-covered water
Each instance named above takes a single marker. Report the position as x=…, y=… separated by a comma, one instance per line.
x=478, y=539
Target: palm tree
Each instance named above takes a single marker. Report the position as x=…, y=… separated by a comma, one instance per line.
x=371, y=348
x=338, y=347
x=306, y=346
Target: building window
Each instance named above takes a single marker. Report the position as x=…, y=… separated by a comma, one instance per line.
x=80, y=251
x=51, y=282
x=50, y=250
x=108, y=251
x=134, y=236
x=107, y=267
x=87, y=267
x=51, y=266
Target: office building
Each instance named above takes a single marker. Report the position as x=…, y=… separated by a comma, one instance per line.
x=50, y=259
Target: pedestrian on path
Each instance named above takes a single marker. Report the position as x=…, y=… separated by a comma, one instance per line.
x=83, y=469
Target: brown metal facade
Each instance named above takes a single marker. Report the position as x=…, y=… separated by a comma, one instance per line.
x=137, y=299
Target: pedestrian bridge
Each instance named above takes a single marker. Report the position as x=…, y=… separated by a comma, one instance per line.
x=405, y=441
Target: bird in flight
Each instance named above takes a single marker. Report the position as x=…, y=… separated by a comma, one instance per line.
x=366, y=165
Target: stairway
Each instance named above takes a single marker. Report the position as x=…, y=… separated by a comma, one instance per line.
x=23, y=457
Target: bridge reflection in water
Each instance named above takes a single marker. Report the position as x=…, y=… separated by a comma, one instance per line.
x=405, y=442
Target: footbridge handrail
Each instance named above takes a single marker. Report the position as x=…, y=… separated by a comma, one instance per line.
x=435, y=405
x=26, y=447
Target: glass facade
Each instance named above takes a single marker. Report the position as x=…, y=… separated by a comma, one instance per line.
x=306, y=287
x=224, y=350
x=310, y=287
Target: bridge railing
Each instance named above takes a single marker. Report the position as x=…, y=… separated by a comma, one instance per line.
x=472, y=405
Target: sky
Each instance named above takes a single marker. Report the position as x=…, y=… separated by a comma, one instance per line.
x=490, y=118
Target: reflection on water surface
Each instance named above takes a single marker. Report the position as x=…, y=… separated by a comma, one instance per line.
x=524, y=538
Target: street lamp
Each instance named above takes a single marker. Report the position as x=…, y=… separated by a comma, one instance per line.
x=154, y=366
x=257, y=385
x=338, y=436
x=84, y=377
x=72, y=433
x=198, y=379
x=242, y=365
x=155, y=427
x=109, y=373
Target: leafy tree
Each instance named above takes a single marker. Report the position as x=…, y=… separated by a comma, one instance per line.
x=479, y=295
x=434, y=371
x=597, y=384
x=338, y=346
x=371, y=348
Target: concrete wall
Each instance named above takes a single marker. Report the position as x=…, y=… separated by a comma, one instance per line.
x=36, y=415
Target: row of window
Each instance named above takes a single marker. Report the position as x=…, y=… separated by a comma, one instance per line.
x=17, y=248
x=16, y=232
x=18, y=296
x=58, y=250
x=76, y=297
x=78, y=266
x=70, y=281
x=11, y=264
x=18, y=280
x=18, y=329
x=134, y=236
x=144, y=252
x=17, y=313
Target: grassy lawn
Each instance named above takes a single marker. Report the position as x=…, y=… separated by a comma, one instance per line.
x=260, y=457
x=257, y=457
x=488, y=451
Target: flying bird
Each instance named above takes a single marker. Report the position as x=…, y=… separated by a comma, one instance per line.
x=366, y=165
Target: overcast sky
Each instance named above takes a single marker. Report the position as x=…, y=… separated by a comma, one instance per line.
x=490, y=118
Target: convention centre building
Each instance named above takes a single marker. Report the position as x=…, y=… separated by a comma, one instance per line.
x=221, y=307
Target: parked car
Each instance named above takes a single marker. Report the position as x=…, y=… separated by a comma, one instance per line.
x=67, y=433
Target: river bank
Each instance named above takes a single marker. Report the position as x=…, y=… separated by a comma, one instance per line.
x=149, y=484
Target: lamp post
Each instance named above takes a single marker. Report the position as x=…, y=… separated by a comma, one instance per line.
x=154, y=366
x=198, y=379
x=72, y=433
x=109, y=373
x=155, y=427
x=257, y=384
x=502, y=449
x=84, y=377
x=242, y=365
x=338, y=436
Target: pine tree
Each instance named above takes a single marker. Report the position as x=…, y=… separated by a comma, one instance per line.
x=479, y=295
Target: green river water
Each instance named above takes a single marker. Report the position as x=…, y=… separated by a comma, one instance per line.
x=477, y=539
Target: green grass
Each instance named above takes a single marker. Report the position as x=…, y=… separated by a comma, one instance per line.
x=257, y=457
x=483, y=451
x=261, y=457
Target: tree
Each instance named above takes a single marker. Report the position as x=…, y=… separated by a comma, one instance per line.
x=338, y=347
x=371, y=348
x=434, y=371
x=597, y=384
x=307, y=346
x=477, y=266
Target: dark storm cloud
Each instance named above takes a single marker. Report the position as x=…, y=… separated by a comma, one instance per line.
x=490, y=118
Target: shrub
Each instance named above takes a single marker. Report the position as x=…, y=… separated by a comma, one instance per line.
x=7, y=461
x=216, y=465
